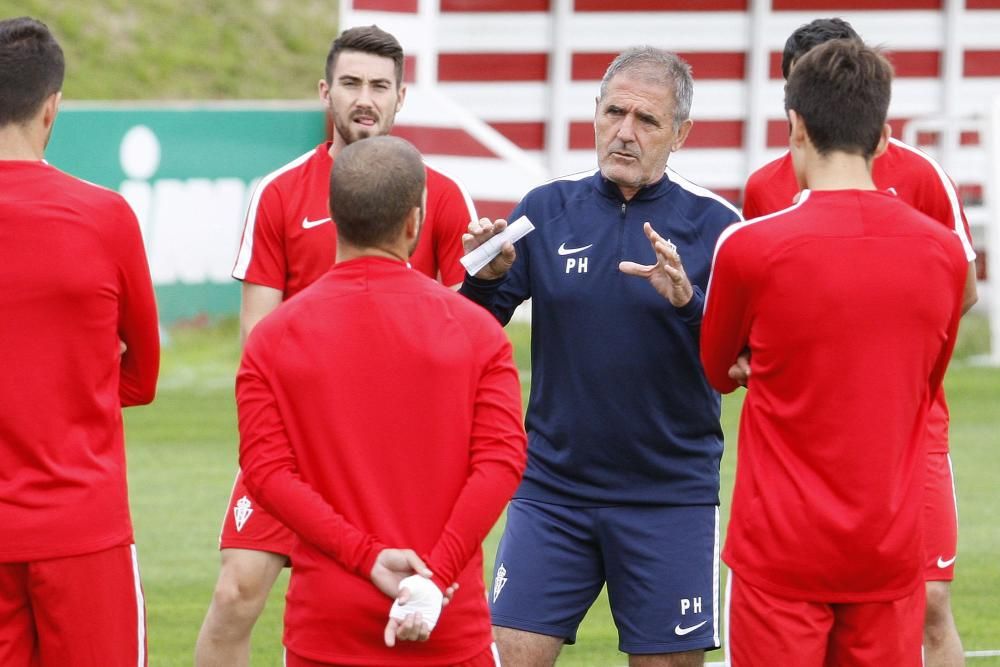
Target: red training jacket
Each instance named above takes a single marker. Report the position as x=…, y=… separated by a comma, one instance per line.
x=849, y=303
x=380, y=409
x=75, y=281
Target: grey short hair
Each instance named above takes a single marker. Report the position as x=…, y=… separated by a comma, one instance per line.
x=660, y=66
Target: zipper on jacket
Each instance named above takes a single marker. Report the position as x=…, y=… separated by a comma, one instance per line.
x=621, y=233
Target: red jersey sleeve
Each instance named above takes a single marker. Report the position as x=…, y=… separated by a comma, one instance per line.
x=497, y=457
x=923, y=184
x=270, y=471
x=453, y=211
x=771, y=188
x=941, y=365
x=752, y=207
x=725, y=327
x=937, y=197
x=262, y=258
x=138, y=326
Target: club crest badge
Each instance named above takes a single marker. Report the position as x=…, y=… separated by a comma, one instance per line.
x=499, y=581
x=242, y=512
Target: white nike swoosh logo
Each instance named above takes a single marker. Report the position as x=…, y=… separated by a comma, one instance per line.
x=679, y=631
x=946, y=563
x=309, y=224
x=563, y=250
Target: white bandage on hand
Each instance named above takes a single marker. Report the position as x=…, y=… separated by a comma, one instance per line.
x=425, y=597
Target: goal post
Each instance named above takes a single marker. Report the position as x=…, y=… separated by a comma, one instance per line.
x=984, y=215
x=991, y=196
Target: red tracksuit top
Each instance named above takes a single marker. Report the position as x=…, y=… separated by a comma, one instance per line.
x=918, y=180
x=75, y=281
x=849, y=303
x=289, y=241
x=378, y=408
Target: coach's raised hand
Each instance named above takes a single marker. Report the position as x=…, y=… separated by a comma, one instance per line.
x=481, y=231
x=667, y=276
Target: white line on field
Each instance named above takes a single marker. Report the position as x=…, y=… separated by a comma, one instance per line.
x=968, y=654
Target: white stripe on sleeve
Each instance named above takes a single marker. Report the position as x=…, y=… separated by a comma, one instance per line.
x=736, y=226
x=952, y=194
x=245, y=253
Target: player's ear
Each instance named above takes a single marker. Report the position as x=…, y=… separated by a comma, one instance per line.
x=414, y=219
x=50, y=108
x=883, y=140
x=797, y=135
x=401, y=97
x=324, y=92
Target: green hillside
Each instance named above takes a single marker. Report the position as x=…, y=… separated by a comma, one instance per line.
x=169, y=49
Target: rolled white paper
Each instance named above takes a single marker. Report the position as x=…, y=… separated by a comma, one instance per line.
x=477, y=259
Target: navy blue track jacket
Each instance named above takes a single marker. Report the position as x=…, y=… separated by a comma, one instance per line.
x=620, y=411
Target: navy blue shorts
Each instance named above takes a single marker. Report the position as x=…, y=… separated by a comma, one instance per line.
x=661, y=565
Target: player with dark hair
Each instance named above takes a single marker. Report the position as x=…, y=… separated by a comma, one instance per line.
x=919, y=181
x=288, y=242
x=622, y=483
x=849, y=303
x=421, y=453
x=78, y=341
x=33, y=68
x=813, y=34
x=373, y=41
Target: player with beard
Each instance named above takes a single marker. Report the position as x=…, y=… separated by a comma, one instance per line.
x=420, y=455
x=289, y=241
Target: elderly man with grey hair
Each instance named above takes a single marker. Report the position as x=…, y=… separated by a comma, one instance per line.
x=622, y=484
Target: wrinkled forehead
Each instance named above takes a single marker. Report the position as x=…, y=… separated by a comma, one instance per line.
x=641, y=88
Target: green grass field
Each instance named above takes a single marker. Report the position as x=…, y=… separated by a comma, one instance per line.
x=185, y=50
x=182, y=459
x=182, y=449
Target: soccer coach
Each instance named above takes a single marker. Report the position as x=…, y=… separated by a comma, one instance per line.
x=380, y=409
